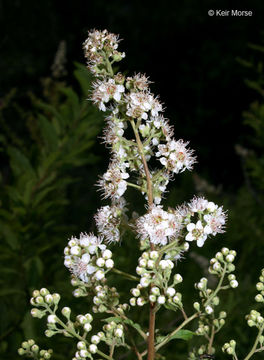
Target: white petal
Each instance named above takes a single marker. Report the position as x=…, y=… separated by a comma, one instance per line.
x=190, y=227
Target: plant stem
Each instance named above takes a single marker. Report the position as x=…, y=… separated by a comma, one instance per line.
x=168, y=337
x=211, y=340
x=151, y=336
x=218, y=288
x=126, y=275
x=134, y=185
x=144, y=161
x=254, y=347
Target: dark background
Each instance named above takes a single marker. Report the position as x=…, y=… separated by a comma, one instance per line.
x=197, y=64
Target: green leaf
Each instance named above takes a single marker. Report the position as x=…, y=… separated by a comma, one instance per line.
x=48, y=133
x=19, y=162
x=181, y=334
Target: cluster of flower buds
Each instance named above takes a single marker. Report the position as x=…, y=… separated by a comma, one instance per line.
x=100, y=47
x=159, y=290
x=201, y=352
x=88, y=259
x=255, y=319
x=113, y=333
x=260, y=287
x=30, y=349
x=204, y=324
x=223, y=261
x=105, y=298
x=43, y=298
x=229, y=348
x=209, y=301
x=84, y=350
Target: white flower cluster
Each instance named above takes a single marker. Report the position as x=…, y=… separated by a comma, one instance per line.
x=141, y=105
x=158, y=225
x=87, y=258
x=106, y=90
x=108, y=219
x=211, y=220
x=113, y=183
x=96, y=44
x=175, y=156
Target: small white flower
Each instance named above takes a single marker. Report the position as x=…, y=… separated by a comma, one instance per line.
x=233, y=283
x=196, y=232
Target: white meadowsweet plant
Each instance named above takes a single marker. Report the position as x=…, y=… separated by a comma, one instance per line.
x=144, y=156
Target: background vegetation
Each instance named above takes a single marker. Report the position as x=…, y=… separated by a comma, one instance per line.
x=208, y=72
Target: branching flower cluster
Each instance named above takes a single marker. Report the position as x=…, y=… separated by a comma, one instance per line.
x=145, y=156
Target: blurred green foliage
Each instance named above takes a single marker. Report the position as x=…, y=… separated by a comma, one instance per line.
x=39, y=174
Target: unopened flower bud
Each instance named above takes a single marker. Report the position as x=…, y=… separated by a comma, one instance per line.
x=230, y=258
x=225, y=251
x=155, y=291
x=56, y=298
x=39, y=300
x=118, y=333
x=259, y=298
x=95, y=339
x=133, y=301
x=142, y=263
x=152, y=298
x=52, y=319
x=49, y=299
x=107, y=254
x=109, y=264
x=161, y=299
x=93, y=348
x=154, y=255
x=100, y=262
x=177, y=278
x=170, y=291
x=233, y=283
x=144, y=282
x=99, y=275
x=66, y=311
x=50, y=333
x=151, y=264
x=84, y=353
x=35, y=348
x=87, y=327
x=209, y=310
x=196, y=306
x=81, y=345
x=141, y=301
x=44, y=292
x=135, y=292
